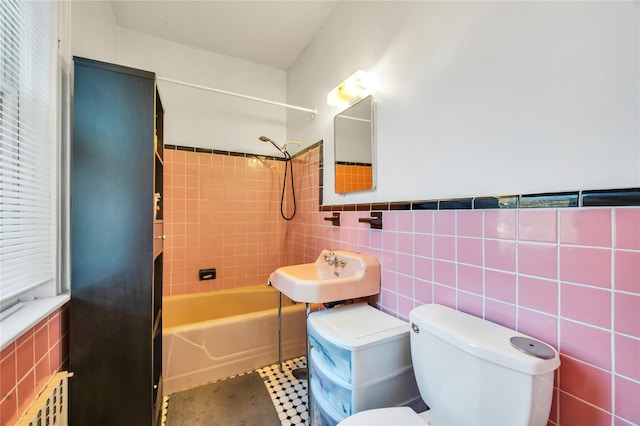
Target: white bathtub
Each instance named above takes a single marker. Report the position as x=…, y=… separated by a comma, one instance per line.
x=209, y=336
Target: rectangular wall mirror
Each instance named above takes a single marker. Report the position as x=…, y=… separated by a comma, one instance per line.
x=354, y=148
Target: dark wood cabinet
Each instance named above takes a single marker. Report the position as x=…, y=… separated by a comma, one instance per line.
x=116, y=246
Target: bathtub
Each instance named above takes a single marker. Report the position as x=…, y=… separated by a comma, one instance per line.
x=209, y=336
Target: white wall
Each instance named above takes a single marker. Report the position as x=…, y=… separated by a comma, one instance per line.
x=192, y=117
x=482, y=98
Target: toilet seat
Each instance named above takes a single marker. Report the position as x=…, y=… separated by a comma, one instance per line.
x=391, y=416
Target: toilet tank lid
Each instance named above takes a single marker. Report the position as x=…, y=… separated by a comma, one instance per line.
x=480, y=338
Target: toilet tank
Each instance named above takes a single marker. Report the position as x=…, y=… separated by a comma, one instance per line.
x=469, y=372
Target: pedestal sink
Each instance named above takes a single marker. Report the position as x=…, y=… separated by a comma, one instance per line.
x=335, y=275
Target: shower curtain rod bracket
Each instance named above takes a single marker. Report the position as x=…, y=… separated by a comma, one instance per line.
x=239, y=95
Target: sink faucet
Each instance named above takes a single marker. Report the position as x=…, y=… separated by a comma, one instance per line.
x=333, y=260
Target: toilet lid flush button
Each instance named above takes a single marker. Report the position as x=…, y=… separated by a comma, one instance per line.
x=532, y=347
x=415, y=328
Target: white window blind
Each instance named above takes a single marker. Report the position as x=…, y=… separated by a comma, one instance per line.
x=27, y=231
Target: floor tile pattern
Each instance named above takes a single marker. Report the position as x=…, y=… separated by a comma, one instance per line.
x=289, y=395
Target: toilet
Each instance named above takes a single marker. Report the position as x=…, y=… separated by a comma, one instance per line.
x=472, y=372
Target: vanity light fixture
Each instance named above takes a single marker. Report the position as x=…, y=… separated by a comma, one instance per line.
x=357, y=86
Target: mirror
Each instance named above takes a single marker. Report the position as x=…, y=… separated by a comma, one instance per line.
x=353, y=141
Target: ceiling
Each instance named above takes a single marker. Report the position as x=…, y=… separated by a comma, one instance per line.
x=272, y=33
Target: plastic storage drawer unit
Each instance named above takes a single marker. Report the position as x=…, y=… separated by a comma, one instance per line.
x=360, y=358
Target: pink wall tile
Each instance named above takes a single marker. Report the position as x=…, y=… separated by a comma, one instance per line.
x=573, y=342
x=363, y=237
x=443, y=295
x=391, y=221
x=500, y=224
x=469, y=250
x=405, y=264
x=26, y=390
x=541, y=326
x=423, y=291
x=405, y=285
x=470, y=303
x=405, y=243
x=24, y=354
x=627, y=352
x=538, y=225
x=627, y=228
x=405, y=305
x=627, y=271
x=470, y=278
x=574, y=412
x=405, y=221
x=389, y=261
x=589, y=227
x=500, y=313
x=389, y=300
x=376, y=239
x=627, y=314
x=538, y=259
x=469, y=223
x=588, y=383
x=423, y=245
x=390, y=240
x=444, y=273
x=444, y=247
x=9, y=408
x=444, y=222
x=627, y=399
x=500, y=255
x=500, y=285
x=541, y=295
x=423, y=221
x=389, y=280
x=586, y=304
x=7, y=370
x=423, y=268
x=586, y=265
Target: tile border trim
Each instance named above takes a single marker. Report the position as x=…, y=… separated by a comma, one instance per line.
x=586, y=198
x=236, y=153
x=619, y=197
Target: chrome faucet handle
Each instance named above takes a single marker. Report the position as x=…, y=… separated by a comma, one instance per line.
x=330, y=257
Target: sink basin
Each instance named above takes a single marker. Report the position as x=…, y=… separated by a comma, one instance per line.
x=337, y=275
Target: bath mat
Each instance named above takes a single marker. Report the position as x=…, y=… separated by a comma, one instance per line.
x=239, y=401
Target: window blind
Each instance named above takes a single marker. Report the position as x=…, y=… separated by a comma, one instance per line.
x=26, y=147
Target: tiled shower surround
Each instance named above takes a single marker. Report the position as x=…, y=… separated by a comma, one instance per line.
x=568, y=276
x=223, y=211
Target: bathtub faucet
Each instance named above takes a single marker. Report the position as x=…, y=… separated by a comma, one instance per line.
x=333, y=260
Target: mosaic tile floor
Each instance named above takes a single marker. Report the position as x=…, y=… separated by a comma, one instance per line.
x=289, y=395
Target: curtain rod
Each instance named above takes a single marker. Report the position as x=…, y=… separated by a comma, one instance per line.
x=238, y=95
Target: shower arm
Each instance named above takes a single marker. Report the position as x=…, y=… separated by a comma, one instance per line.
x=284, y=147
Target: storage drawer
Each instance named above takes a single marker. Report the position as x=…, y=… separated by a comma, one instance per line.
x=359, y=343
x=335, y=395
x=330, y=356
x=321, y=413
x=397, y=389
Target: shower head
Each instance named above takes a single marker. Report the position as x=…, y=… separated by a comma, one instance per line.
x=266, y=139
